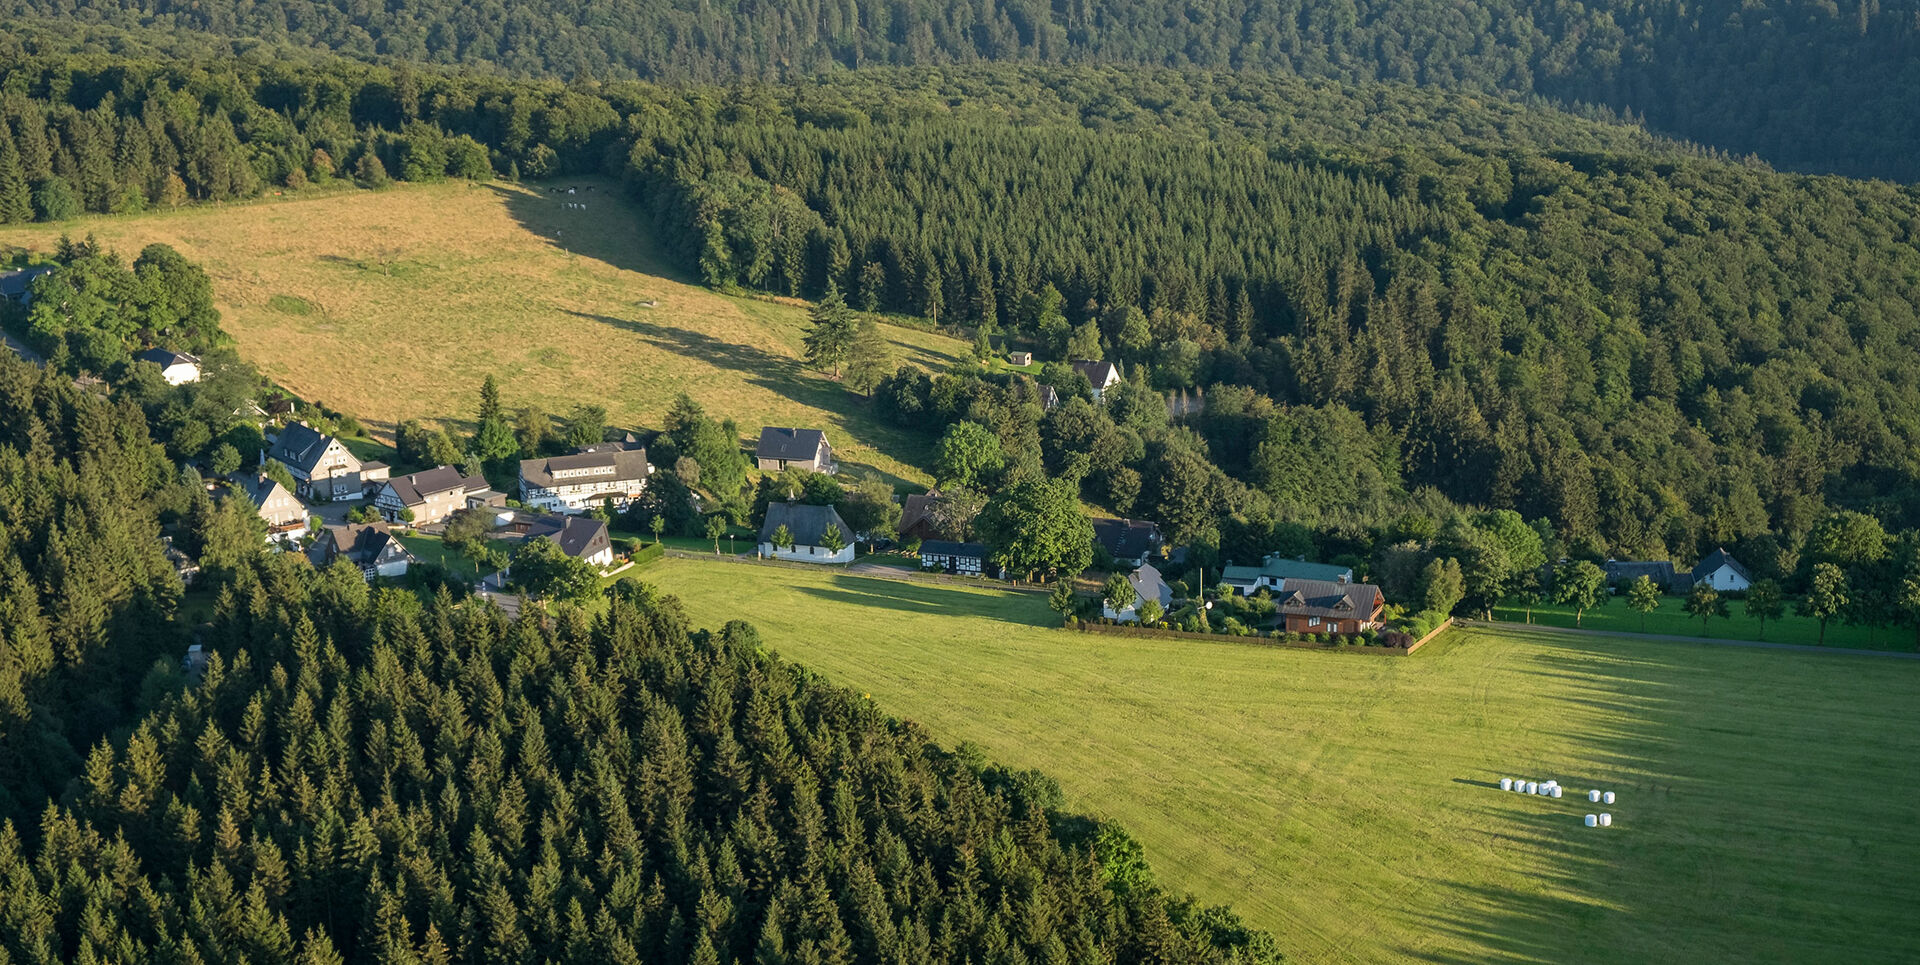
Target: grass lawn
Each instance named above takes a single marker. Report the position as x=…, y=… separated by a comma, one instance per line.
x=395, y=304
x=1616, y=616
x=1347, y=802
x=430, y=549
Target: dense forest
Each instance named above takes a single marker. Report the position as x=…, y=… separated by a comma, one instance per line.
x=1656, y=352
x=370, y=774
x=1808, y=84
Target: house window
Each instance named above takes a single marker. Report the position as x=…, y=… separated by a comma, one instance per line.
x=1313, y=621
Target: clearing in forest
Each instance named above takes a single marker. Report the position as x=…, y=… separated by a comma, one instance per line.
x=1349, y=802
x=395, y=304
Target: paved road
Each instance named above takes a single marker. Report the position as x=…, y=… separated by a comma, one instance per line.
x=20, y=348
x=1671, y=638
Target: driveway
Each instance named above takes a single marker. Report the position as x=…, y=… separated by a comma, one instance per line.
x=21, y=349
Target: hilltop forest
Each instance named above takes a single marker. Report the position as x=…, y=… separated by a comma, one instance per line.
x=1807, y=84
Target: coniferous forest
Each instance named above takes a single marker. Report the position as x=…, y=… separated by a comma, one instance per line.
x=1808, y=84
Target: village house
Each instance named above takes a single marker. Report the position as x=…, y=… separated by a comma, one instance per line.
x=581, y=537
x=1275, y=570
x=808, y=526
x=369, y=546
x=321, y=466
x=806, y=448
x=16, y=284
x=1130, y=542
x=432, y=495
x=1101, y=375
x=1020, y=358
x=178, y=368
x=1049, y=398
x=1147, y=585
x=284, y=514
x=586, y=479
x=919, y=517
x=183, y=565
x=1722, y=572
x=1322, y=606
x=964, y=559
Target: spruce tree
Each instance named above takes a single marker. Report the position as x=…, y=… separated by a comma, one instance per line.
x=831, y=332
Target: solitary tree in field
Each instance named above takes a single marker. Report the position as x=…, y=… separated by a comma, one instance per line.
x=782, y=537
x=832, y=331
x=1705, y=603
x=1119, y=592
x=1062, y=599
x=1826, y=596
x=1644, y=597
x=1764, y=603
x=1579, y=585
x=868, y=361
x=716, y=528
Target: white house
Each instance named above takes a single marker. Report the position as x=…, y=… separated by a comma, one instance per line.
x=432, y=495
x=1273, y=573
x=1102, y=375
x=1722, y=572
x=285, y=516
x=585, y=479
x=368, y=546
x=1147, y=585
x=322, y=467
x=808, y=527
x=965, y=559
x=178, y=368
x=581, y=537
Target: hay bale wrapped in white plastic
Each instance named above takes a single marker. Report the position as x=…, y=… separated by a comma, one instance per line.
x=1592, y=820
x=1556, y=790
x=1607, y=797
x=1606, y=820
x=1593, y=796
x=1506, y=784
x=1533, y=787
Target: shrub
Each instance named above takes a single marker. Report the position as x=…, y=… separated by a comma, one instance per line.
x=1397, y=638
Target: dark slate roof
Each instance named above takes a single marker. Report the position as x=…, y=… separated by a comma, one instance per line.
x=1099, y=373
x=258, y=487
x=1127, y=539
x=1626, y=571
x=790, y=444
x=1148, y=584
x=1049, y=397
x=805, y=522
x=299, y=446
x=1319, y=598
x=941, y=547
x=164, y=357
x=628, y=444
x=414, y=487
x=14, y=282
x=917, y=508
x=577, y=536
x=1714, y=561
x=612, y=465
x=365, y=544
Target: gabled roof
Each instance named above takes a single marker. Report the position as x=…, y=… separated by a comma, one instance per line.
x=805, y=522
x=1049, y=397
x=14, y=282
x=586, y=467
x=365, y=544
x=629, y=443
x=165, y=357
x=941, y=547
x=416, y=487
x=1717, y=559
x=259, y=488
x=1321, y=598
x=1101, y=374
x=299, y=446
x=1240, y=575
x=792, y=445
x=917, y=508
x=577, y=536
x=1148, y=585
x=1127, y=539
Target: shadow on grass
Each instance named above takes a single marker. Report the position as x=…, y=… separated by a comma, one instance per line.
x=609, y=229
x=923, y=599
x=1743, y=831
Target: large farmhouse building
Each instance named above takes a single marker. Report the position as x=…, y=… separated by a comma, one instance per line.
x=321, y=466
x=1320, y=606
x=585, y=479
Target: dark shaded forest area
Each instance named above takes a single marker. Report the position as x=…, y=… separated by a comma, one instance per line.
x=1806, y=84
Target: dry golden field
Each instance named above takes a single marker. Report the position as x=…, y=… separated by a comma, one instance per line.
x=394, y=305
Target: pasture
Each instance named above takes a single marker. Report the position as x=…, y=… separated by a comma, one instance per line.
x=1348, y=802
x=1616, y=616
x=395, y=304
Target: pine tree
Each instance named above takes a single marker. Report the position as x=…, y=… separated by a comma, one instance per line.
x=831, y=333
x=16, y=199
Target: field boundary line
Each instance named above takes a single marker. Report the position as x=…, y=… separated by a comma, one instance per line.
x=1675, y=638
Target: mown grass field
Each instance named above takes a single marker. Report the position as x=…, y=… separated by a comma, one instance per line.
x=396, y=304
x=1347, y=802
x=1617, y=617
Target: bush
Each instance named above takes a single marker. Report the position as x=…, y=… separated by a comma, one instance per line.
x=648, y=554
x=1397, y=638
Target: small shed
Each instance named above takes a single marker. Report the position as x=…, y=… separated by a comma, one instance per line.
x=1020, y=358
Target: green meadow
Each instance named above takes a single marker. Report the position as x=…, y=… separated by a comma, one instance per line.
x=1348, y=802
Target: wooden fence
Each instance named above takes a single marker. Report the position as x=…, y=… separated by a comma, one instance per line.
x=1125, y=630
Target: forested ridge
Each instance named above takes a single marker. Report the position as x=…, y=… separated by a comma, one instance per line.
x=1806, y=84
x=1656, y=351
